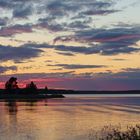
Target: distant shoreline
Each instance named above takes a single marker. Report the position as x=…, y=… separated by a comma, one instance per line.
x=59, y=91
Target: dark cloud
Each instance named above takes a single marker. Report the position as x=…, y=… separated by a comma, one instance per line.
x=131, y=70
x=22, y=11
x=77, y=49
x=99, y=12
x=28, y=76
x=4, y=69
x=77, y=66
x=23, y=1
x=51, y=25
x=15, y=29
x=55, y=10
x=108, y=35
x=61, y=8
x=49, y=61
x=110, y=41
x=119, y=59
x=126, y=73
x=116, y=48
x=65, y=49
x=97, y=50
x=18, y=8
x=3, y=21
x=54, y=27
x=5, y=4
x=72, y=11
x=11, y=4
x=65, y=53
x=103, y=49
x=34, y=45
x=127, y=79
x=78, y=25
x=49, y=22
x=18, y=53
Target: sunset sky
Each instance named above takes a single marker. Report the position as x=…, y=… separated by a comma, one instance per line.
x=71, y=44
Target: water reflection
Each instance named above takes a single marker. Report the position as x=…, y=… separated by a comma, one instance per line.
x=11, y=107
x=70, y=118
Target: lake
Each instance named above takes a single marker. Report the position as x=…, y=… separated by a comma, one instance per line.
x=75, y=117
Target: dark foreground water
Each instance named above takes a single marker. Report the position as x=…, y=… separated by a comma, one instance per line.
x=71, y=118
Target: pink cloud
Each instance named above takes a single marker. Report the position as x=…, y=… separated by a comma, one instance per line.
x=116, y=38
x=17, y=29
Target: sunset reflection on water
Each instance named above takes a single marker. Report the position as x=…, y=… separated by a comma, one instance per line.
x=71, y=118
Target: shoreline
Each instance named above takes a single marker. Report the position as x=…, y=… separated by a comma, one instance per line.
x=59, y=91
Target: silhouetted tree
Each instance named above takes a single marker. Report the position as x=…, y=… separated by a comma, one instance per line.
x=32, y=88
x=46, y=88
x=31, y=85
x=11, y=84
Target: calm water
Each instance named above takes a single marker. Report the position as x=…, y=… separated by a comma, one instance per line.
x=71, y=118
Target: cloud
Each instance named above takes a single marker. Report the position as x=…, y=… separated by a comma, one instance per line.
x=77, y=66
x=102, y=49
x=34, y=45
x=72, y=15
x=61, y=8
x=131, y=70
x=57, y=15
x=22, y=11
x=15, y=29
x=65, y=49
x=99, y=12
x=54, y=27
x=18, y=53
x=126, y=73
x=64, y=8
x=118, y=59
x=78, y=25
x=108, y=41
x=105, y=35
x=11, y=4
x=3, y=21
x=65, y=53
x=77, y=49
x=5, y=4
x=4, y=69
x=28, y=76
x=16, y=9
